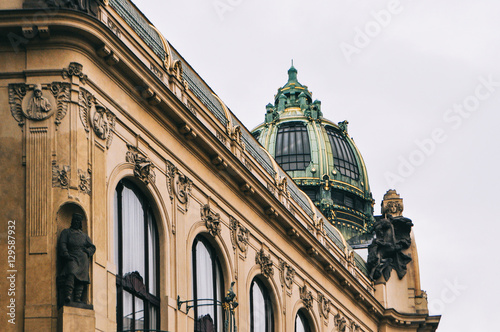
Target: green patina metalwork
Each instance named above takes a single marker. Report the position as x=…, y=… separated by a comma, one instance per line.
x=321, y=178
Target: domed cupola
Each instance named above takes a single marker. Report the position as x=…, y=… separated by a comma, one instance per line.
x=319, y=155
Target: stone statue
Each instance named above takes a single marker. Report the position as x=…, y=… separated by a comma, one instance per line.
x=75, y=250
x=38, y=106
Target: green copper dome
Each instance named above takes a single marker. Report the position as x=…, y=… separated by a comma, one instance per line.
x=319, y=155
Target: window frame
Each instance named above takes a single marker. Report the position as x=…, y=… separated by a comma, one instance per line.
x=268, y=305
x=125, y=283
x=287, y=152
x=344, y=158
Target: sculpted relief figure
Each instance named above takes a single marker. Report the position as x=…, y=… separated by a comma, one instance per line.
x=75, y=250
x=38, y=106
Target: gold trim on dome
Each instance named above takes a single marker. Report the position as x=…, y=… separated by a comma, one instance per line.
x=226, y=111
x=166, y=47
x=320, y=150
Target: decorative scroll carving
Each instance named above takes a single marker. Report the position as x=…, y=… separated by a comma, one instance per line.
x=239, y=235
x=340, y=322
x=84, y=178
x=16, y=95
x=324, y=305
x=306, y=297
x=103, y=123
x=75, y=69
x=60, y=91
x=287, y=274
x=85, y=102
x=385, y=252
x=266, y=265
x=143, y=166
x=60, y=176
x=211, y=219
x=171, y=172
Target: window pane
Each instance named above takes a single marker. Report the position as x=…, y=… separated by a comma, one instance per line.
x=301, y=324
x=292, y=151
x=132, y=233
x=204, y=285
x=152, y=245
x=139, y=313
x=344, y=159
x=128, y=315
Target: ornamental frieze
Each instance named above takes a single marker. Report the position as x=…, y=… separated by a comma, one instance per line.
x=266, y=265
x=38, y=102
x=287, y=274
x=239, y=235
x=211, y=219
x=143, y=166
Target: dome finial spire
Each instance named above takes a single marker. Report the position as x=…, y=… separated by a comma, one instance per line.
x=292, y=74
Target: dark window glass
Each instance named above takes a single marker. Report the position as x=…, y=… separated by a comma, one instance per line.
x=136, y=256
x=343, y=156
x=261, y=310
x=301, y=323
x=311, y=192
x=292, y=147
x=349, y=201
x=207, y=287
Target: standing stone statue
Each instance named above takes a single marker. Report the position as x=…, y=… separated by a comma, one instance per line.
x=75, y=250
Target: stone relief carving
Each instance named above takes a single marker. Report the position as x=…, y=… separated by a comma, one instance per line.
x=143, y=166
x=306, y=297
x=60, y=176
x=392, y=204
x=266, y=265
x=178, y=183
x=211, y=219
x=42, y=102
x=103, y=123
x=340, y=322
x=287, y=274
x=385, y=252
x=171, y=172
x=84, y=178
x=355, y=327
x=239, y=235
x=324, y=305
x=75, y=69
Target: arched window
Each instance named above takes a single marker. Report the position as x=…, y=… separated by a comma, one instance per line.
x=208, y=287
x=343, y=157
x=261, y=309
x=301, y=323
x=136, y=255
x=292, y=151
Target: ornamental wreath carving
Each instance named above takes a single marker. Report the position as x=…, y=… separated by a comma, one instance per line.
x=211, y=219
x=239, y=235
x=287, y=274
x=38, y=102
x=306, y=297
x=266, y=265
x=143, y=166
x=324, y=305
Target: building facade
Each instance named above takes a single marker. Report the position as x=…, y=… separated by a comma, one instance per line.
x=114, y=148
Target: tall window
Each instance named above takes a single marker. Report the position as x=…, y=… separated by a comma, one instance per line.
x=343, y=157
x=301, y=323
x=208, y=287
x=136, y=255
x=261, y=309
x=292, y=147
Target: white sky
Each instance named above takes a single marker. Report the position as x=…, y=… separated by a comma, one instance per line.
x=395, y=91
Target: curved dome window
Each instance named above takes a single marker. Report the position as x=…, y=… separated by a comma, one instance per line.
x=344, y=159
x=292, y=147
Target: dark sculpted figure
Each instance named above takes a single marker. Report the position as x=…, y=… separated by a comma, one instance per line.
x=75, y=251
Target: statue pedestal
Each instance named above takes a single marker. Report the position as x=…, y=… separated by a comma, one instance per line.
x=75, y=319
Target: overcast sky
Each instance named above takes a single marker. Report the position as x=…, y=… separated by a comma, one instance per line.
x=419, y=83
